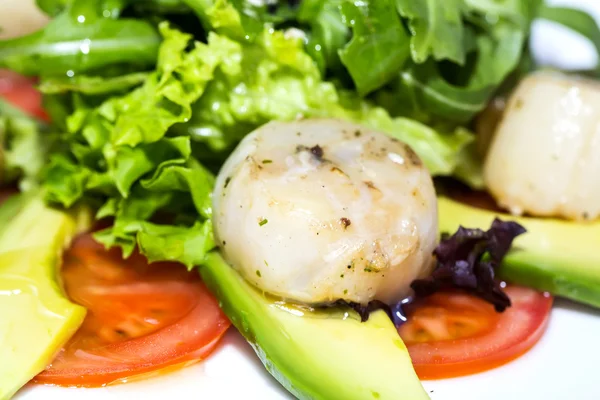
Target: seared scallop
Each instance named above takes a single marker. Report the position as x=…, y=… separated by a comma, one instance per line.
x=544, y=159
x=320, y=210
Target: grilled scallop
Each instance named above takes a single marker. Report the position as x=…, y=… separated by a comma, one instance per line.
x=544, y=159
x=320, y=210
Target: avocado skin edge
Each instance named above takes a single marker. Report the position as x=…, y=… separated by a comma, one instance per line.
x=308, y=355
x=557, y=256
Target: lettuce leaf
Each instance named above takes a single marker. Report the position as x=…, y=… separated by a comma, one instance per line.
x=119, y=153
x=143, y=146
x=147, y=112
x=23, y=148
x=142, y=155
x=275, y=79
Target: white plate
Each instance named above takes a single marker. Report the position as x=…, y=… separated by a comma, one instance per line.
x=563, y=365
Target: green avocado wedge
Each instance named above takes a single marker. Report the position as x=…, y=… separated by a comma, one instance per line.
x=318, y=355
x=557, y=256
x=37, y=318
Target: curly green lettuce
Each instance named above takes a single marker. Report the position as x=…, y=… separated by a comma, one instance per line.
x=147, y=157
x=142, y=132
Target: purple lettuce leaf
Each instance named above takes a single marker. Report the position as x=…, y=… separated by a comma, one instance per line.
x=468, y=260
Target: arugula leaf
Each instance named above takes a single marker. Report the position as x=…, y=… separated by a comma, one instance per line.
x=379, y=46
x=115, y=7
x=436, y=27
x=52, y=7
x=518, y=12
x=81, y=39
x=92, y=85
x=422, y=91
x=161, y=6
x=328, y=33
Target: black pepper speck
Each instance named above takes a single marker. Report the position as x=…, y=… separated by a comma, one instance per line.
x=345, y=222
x=317, y=151
x=371, y=185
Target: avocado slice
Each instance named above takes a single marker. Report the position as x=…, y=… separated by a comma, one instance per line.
x=557, y=256
x=36, y=319
x=315, y=355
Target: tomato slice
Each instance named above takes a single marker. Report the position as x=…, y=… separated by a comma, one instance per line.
x=453, y=334
x=21, y=92
x=141, y=317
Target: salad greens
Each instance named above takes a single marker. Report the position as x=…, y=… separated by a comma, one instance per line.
x=375, y=30
x=22, y=148
x=469, y=259
x=81, y=39
x=147, y=98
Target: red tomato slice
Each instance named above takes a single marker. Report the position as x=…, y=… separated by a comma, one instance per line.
x=21, y=92
x=141, y=317
x=454, y=334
